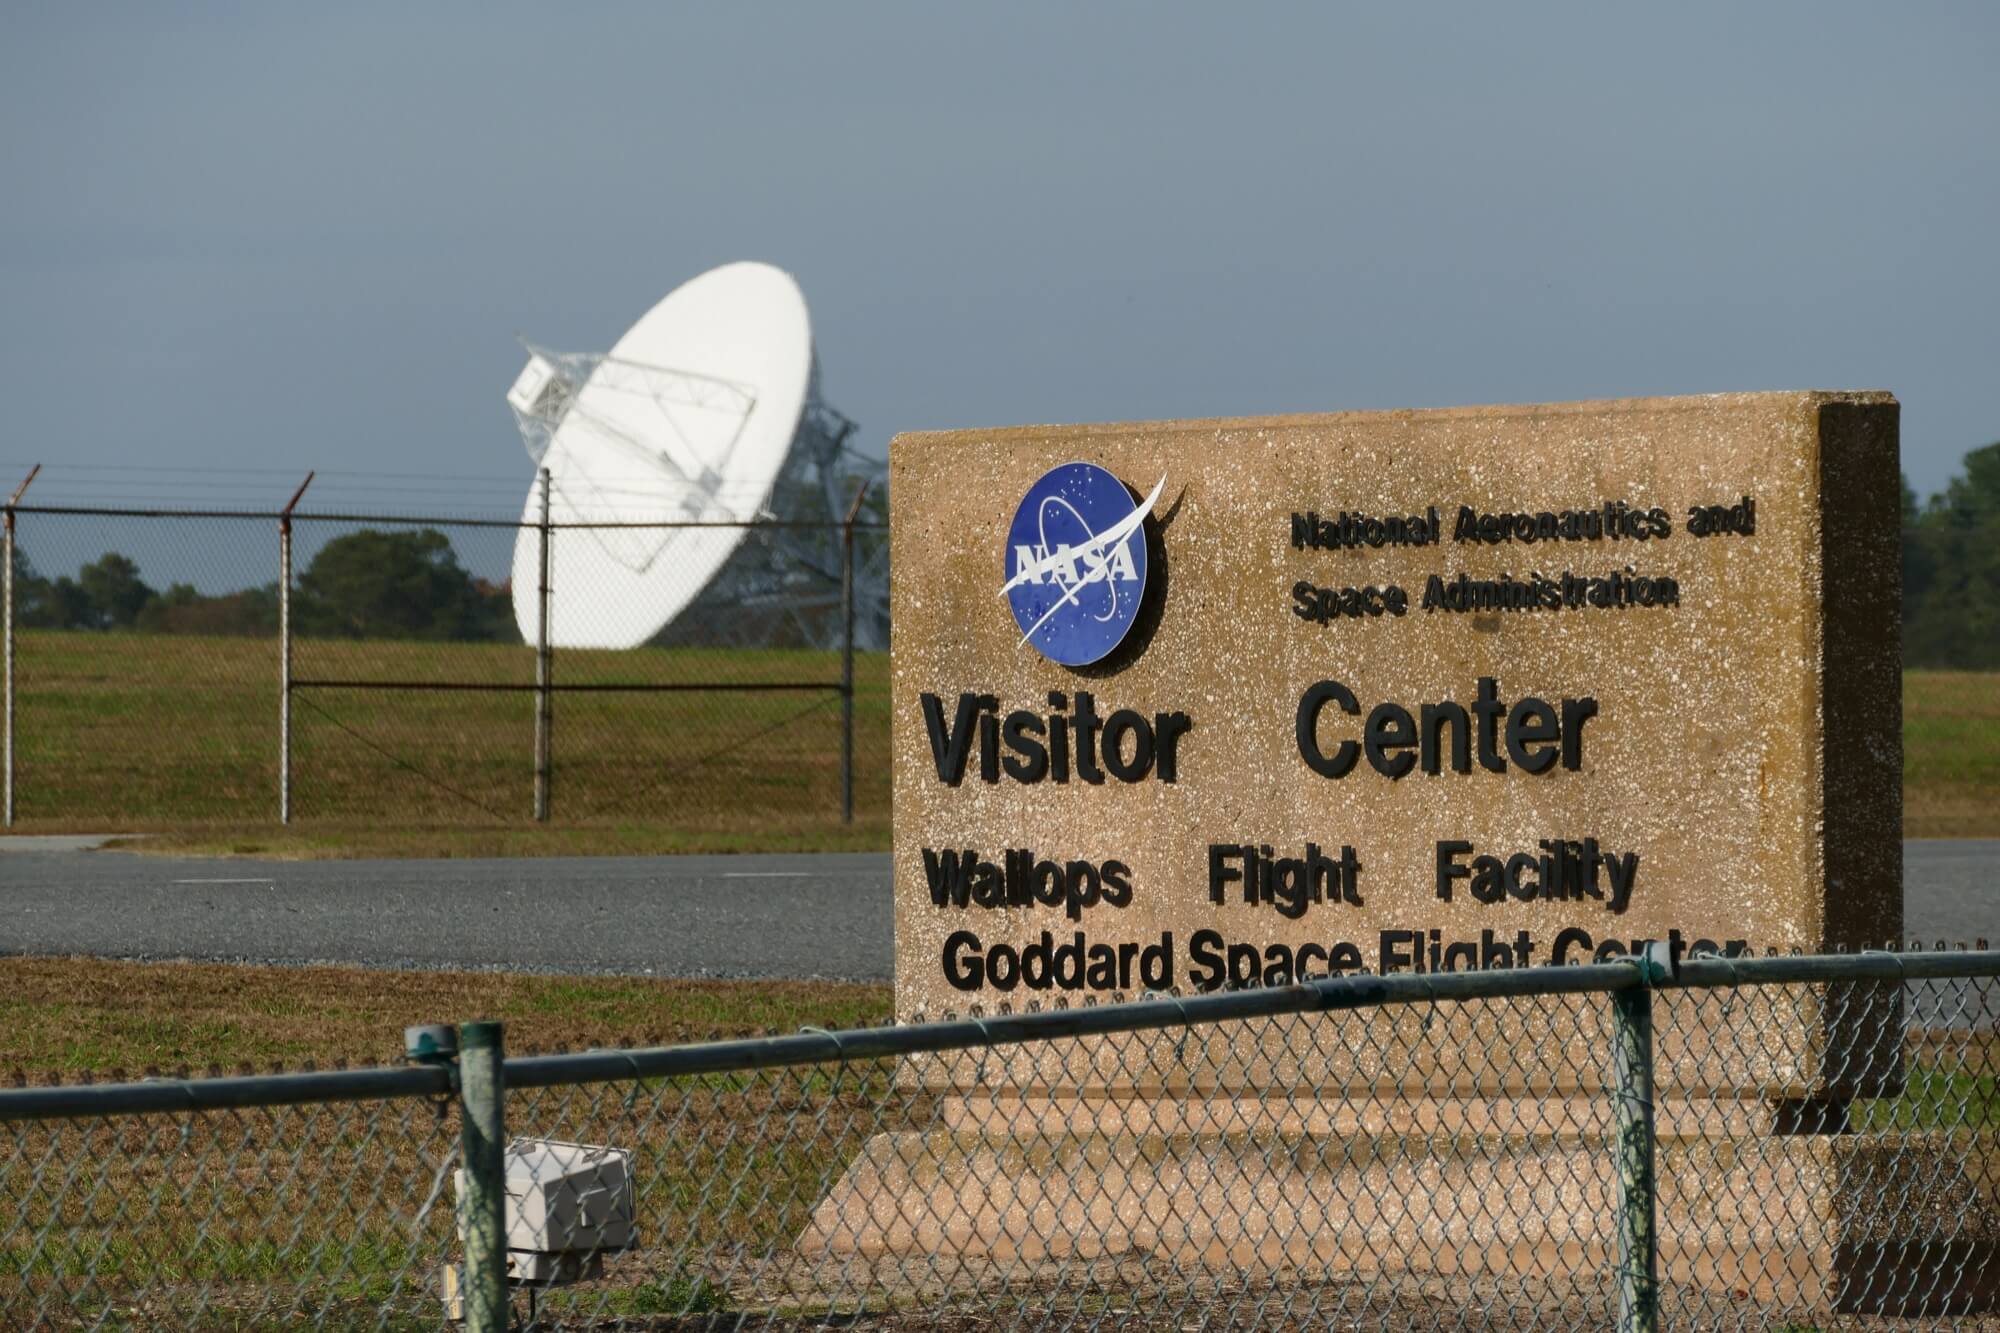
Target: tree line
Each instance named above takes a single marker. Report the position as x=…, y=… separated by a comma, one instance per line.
x=408, y=584
x=369, y=584
x=1951, y=569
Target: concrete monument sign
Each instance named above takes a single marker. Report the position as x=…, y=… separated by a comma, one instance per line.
x=1181, y=705
x=1492, y=687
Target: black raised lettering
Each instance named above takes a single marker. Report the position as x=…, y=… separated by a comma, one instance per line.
x=1486, y=706
x=1117, y=884
x=1531, y=726
x=949, y=874
x=1168, y=728
x=1575, y=713
x=1448, y=868
x=951, y=747
x=1030, y=761
x=1390, y=728
x=1086, y=738
x=964, y=966
x=1116, y=728
x=1436, y=717
x=1306, y=729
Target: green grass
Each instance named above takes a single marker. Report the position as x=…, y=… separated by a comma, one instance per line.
x=1951, y=754
x=178, y=735
x=1933, y=1098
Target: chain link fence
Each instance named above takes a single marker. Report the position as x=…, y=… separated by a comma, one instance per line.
x=162, y=671
x=1781, y=1143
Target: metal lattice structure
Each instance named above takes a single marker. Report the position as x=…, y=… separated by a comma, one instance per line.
x=785, y=591
x=958, y=1175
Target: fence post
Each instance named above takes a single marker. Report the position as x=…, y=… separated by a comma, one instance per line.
x=7, y=597
x=7, y=615
x=1632, y=1127
x=483, y=1204
x=285, y=653
x=847, y=657
x=544, y=667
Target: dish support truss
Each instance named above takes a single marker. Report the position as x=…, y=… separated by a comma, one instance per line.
x=782, y=586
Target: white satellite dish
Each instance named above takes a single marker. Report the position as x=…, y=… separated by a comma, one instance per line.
x=688, y=419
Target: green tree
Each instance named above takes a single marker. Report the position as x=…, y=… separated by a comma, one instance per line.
x=183, y=610
x=69, y=606
x=113, y=590
x=395, y=585
x=1951, y=571
x=1919, y=564
x=31, y=594
x=104, y=593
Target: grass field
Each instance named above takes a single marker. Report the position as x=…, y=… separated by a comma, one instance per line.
x=1951, y=754
x=176, y=736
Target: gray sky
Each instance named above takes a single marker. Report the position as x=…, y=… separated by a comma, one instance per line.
x=292, y=237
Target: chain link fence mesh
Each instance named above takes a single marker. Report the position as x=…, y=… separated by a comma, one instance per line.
x=148, y=680
x=1425, y=1187
x=334, y=1216
x=137, y=696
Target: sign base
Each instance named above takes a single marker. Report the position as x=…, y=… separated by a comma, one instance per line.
x=1255, y=1190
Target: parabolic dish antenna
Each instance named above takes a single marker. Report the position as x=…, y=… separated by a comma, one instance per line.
x=691, y=418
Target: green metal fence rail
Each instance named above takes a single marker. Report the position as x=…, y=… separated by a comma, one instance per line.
x=966, y=1173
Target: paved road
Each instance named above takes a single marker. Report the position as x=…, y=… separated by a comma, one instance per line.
x=725, y=916
x=1951, y=889
x=689, y=916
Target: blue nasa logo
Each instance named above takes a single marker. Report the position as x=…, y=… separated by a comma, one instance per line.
x=1075, y=564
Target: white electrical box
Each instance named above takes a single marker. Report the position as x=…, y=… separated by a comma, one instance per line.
x=566, y=1197
x=567, y=1204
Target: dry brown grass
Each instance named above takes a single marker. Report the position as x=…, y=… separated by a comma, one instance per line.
x=75, y=1017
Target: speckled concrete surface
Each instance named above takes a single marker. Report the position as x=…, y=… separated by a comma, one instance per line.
x=1746, y=743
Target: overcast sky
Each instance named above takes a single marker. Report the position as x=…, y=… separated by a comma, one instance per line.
x=290, y=237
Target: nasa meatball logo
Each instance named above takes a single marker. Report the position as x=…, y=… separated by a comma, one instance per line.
x=1075, y=565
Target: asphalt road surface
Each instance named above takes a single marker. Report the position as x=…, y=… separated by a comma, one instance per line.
x=688, y=916
x=685, y=916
